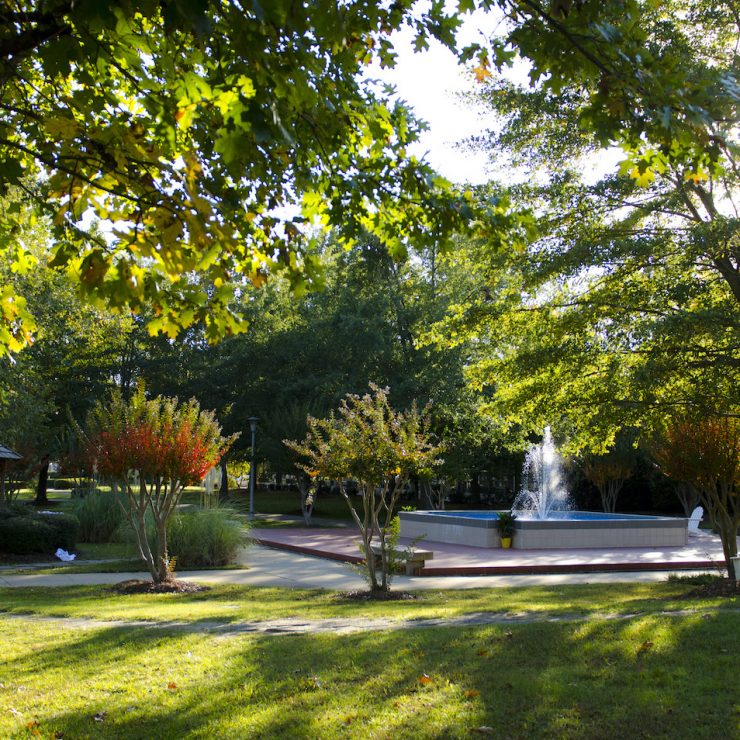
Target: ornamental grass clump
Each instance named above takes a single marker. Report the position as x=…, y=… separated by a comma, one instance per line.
x=380, y=449
x=206, y=537
x=100, y=515
x=170, y=444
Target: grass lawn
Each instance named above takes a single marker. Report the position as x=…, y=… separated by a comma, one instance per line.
x=265, y=502
x=651, y=675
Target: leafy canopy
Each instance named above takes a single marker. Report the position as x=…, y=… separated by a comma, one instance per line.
x=194, y=129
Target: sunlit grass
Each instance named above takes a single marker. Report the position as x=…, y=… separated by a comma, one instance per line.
x=590, y=679
x=240, y=603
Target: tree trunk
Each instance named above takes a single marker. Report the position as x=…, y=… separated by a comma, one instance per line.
x=223, y=493
x=308, y=498
x=164, y=572
x=475, y=488
x=41, y=489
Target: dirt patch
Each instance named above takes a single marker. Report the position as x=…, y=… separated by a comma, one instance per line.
x=149, y=587
x=377, y=596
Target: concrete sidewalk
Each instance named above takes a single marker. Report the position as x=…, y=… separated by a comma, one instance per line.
x=268, y=567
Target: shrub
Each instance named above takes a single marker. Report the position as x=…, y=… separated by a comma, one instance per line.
x=32, y=532
x=62, y=484
x=206, y=537
x=100, y=516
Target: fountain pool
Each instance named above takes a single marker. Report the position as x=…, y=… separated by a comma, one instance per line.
x=562, y=529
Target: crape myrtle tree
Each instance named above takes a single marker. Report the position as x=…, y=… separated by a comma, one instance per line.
x=609, y=471
x=367, y=441
x=705, y=454
x=170, y=445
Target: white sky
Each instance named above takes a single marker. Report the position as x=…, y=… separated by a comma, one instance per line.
x=429, y=82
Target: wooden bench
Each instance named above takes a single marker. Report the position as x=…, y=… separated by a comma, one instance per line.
x=413, y=558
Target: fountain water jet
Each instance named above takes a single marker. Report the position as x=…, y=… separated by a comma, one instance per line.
x=546, y=519
x=543, y=492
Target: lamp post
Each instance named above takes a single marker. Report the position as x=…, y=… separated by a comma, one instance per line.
x=252, y=471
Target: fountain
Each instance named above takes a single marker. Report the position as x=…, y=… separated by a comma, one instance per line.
x=543, y=492
x=545, y=517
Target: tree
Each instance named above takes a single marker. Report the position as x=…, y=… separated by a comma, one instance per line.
x=170, y=445
x=190, y=127
x=72, y=362
x=621, y=302
x=608, y=475
x=368, y=442
x=705, y=454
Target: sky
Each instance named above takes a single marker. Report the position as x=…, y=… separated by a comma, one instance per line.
x=431, y=83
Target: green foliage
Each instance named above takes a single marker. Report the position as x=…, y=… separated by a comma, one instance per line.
x=100, y=516
x=381, y=449
x=622, y=307
x=506, y=523
x=26, y=531
x=193, y=126
x=208, y=537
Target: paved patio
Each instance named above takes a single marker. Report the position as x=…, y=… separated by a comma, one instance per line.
x=702, y=552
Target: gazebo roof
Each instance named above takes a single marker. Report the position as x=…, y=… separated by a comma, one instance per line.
x=7, y=454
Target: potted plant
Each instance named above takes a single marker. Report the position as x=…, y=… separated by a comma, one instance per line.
x=506, y=527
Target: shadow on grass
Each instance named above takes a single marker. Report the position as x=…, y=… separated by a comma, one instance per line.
x=647, y=677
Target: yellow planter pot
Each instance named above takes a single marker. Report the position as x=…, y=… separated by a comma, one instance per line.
x=506, y=542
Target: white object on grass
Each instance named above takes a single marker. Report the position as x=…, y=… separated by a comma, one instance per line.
x=64, y=555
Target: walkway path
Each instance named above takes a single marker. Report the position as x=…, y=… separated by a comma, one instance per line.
x=703, y=551
x=269, y=567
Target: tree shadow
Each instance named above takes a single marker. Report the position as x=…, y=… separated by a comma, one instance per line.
x=649, y=676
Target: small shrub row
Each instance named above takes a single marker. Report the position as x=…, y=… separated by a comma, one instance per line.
x=24, y=531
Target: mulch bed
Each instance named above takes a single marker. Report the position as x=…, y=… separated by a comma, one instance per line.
x=149, y=587
x=720, y=587
x=376, y=596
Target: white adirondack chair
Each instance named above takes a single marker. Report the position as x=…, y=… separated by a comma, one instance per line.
x=694, y=520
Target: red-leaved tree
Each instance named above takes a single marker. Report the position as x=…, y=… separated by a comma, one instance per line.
x=706, y=455
x=170, y=445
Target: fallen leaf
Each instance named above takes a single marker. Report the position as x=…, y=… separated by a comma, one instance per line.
x=424, y=679
x=644, y=647
x=31, y=724
x=472, y=693
x=172, y=686
x=482, y=652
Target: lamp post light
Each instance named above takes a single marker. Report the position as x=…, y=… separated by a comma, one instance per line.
x=252, y=471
